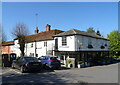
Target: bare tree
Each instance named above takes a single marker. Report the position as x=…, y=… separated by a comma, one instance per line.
x=0, y=34
x=20, y=31
x=3, y=37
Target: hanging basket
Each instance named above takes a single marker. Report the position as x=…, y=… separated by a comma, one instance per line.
x=105, y=44
x=90, y=46
x=102, y=47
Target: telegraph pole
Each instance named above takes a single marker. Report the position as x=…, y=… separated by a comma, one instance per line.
x=36, y=19
x=35, y=40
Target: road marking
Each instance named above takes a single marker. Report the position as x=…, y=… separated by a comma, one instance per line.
x=9, y=69
x=5, y=72
x=16, y=71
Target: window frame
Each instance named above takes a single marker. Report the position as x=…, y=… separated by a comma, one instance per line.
x=45, y=44
x=32, y=45
x=64, y=41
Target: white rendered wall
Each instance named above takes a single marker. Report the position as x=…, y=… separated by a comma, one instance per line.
x=70, y=44
x=43, y=50
x=16, y=49
x=82, y=42
x=40, y=48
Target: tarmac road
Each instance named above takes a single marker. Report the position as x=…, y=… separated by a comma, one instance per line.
x=96, y=74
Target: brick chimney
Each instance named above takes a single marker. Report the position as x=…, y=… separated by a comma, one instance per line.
x=48, y=27
x=36, y=30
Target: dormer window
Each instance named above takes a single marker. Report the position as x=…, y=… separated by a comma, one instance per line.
x=64, y=41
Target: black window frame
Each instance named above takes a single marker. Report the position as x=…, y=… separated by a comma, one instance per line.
x=32, y=45
x=64, y=41
x=45, y=44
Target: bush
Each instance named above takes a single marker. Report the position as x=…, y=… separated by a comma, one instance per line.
x=69, y=61
x=18, y=58
x=80, y=62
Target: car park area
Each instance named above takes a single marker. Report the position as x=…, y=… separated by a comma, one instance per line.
x=96, y=74
x=50, y=62
x=27, y=64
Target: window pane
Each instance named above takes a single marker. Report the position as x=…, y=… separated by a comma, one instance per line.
x=64, y=40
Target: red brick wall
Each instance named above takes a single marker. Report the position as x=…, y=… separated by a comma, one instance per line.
x=6, y=50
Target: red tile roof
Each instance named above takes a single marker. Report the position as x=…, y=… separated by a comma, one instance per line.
x=8, y=43
x=46, y=35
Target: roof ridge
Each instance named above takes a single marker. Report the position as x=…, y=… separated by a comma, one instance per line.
x=74, y=31
x=44, y=32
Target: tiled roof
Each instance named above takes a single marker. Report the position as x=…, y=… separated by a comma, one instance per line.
x=8, y=43
x=47, y=35
x=78, y=32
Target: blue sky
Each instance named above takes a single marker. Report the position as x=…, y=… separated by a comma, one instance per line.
x=102, y=16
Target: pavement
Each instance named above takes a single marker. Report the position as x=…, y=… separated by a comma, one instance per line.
x=96, y=74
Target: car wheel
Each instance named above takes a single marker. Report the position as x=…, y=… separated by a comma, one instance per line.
x=58, y=68
x=46, y=66
x=13, y=66
x=22, y=69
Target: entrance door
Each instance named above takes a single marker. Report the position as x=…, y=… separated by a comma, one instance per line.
x=56, y=44
x=12, y=57
x=5, y=60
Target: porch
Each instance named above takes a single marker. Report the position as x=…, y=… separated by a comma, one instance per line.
x=88, y=57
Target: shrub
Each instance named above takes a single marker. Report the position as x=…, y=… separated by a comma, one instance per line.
x=80, y=62
x=69, y=61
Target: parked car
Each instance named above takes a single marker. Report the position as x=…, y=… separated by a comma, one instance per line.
x=50, y=62
x=27, y=64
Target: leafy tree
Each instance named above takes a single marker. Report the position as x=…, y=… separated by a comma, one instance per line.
x=114, y=37
x=91, y=30
x=20, y=31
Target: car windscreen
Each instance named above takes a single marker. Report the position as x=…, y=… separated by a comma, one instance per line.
x=31, y=59
x=53, y=58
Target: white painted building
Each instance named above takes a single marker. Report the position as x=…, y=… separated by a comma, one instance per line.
x=73, y=43
x=80, y=45
x=40, y=43
x=75, y=40
x=39, y=48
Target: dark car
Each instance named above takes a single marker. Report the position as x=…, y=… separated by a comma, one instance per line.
x=27, y=64
x=50, y=62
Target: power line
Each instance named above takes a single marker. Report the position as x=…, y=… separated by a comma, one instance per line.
x=36, y=19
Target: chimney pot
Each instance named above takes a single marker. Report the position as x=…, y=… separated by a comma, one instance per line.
x=48, y=27
x=36, y=30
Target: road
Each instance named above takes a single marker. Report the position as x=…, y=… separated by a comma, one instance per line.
x=96, y=74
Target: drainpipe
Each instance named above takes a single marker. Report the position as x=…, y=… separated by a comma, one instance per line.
x=53, y=51
x=46, y=47
x=26, y=48
x=35, y=48
x=64, y=61
x=75, y=47
x=8, y=49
